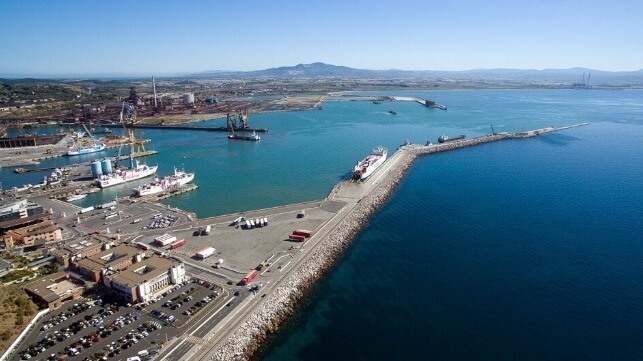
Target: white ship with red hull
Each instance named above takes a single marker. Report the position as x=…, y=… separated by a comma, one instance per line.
x=176, y=180
x=368, y=165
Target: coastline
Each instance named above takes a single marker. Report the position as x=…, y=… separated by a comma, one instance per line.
x=281, y=302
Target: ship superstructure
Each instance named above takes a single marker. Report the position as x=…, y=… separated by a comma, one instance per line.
x=122, y=175
x=368, y=165
x=176, y=180
x=94, y=147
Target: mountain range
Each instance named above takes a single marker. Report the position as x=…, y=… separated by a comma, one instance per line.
x=322, y=70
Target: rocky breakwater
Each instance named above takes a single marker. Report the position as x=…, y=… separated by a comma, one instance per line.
x=280, y=303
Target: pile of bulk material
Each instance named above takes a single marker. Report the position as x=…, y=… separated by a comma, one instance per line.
x=280, y=303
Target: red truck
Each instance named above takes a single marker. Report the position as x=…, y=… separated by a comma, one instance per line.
x=297, y=237
x=249, y=277
x=178, y=244
x=303, y=232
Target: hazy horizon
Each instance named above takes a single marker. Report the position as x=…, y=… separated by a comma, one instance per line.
x=119, y=37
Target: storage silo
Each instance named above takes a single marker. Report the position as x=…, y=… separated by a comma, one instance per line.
x=107, y=166
x=97, y=171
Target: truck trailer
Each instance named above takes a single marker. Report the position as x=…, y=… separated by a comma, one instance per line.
x=249, y=277
x=205, y=253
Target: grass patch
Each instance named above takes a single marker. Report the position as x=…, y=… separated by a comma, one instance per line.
x=15, y=275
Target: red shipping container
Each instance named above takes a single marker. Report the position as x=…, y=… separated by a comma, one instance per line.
x=296, y=237
x=249, y=277
x=302, y=232
x=178, y=244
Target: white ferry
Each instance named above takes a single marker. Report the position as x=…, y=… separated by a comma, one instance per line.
x=368, y=165
x=176, y=180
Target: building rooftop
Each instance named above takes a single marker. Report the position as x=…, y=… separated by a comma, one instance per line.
x=45, y=226
x=52, y=287
x=15, y=223
x=109, y=257
x=145, y=270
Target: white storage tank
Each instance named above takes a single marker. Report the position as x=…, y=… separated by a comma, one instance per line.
x=97, y=169
x=106, y=165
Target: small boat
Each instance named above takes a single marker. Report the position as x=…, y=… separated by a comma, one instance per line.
x=75, y=197
x=377, y=102
x=444, y=138
x=392, y=112
x=253, y=136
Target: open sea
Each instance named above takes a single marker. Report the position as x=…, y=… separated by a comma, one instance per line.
x=515, y=250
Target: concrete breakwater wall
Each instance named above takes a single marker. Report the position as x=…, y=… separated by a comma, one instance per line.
x=280, y=303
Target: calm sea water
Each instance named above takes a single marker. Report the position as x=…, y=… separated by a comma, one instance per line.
x=517, y=250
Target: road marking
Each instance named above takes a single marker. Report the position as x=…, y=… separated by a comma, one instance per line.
x=203, y=323
x=284, y=267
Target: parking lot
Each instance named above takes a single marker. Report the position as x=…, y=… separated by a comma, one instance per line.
x=104, y=329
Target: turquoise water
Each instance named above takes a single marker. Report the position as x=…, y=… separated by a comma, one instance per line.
x=525, y=249
x=305, y=153
x=517, y=250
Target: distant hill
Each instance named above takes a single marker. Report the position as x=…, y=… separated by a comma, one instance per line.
x=322, y=70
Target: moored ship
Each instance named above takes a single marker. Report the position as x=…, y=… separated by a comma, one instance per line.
x=96, y=147
x=123, y=175
x=176, y=180
x=368, y=165
x=444, y=138
x=87, y=149
x=75, y=197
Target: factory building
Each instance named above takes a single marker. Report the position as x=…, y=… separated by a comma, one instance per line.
x=188, y=98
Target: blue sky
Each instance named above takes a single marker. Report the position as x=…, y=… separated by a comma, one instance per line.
x=139, y=36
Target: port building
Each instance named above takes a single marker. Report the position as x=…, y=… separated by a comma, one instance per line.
x=55, y=289
x=142, y=281
x=128, y=271
x=19, y=209
x=112, y=258
x=39, y=233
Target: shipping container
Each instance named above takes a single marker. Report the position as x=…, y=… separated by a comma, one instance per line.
x=207, y=230
x=296, y=237
x=205, y=253
x=164, y=240
x=85, y=210
x=107, y=205
x=249, y=277
x=178, y=244
x=303, y=232
x=265, y=221
x=248, y=224
x=142, y=246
